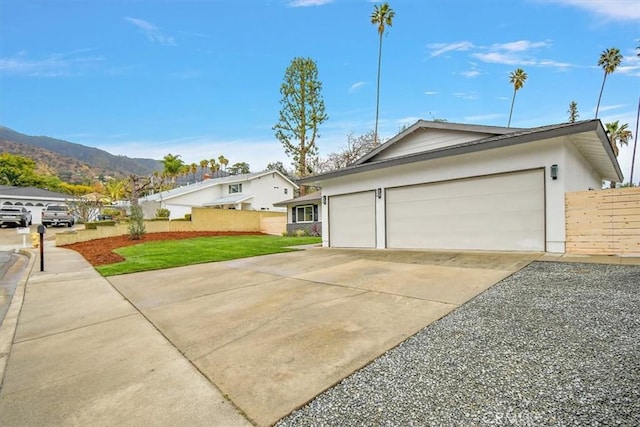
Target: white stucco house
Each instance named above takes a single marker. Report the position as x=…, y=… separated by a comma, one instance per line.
x=32, y=198
x=440, y=185
x=252, y=191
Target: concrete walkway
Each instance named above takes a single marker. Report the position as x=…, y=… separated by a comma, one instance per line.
x=83, y=355
x=232, y=343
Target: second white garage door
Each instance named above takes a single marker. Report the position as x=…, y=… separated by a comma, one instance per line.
x=352, y=220
x=496, y=212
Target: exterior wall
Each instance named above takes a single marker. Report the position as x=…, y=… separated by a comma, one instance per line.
x=203, y=219
x=603, y=222
x=311, y=228
x=539, y=154
x=427, y=140
x=175, y=211
x=269, y=189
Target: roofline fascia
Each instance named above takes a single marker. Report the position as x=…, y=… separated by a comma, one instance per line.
x=471, y=147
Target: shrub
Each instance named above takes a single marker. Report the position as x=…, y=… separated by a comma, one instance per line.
x=187, y=217
x=113, y=213
x=163, y=213
x=136, y=224
x=301, y=233
x=94, y=224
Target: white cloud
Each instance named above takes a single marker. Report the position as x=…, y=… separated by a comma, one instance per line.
x=440, y=48
x=518, y=46
x=356, y=86
x=53, y=65
x=152, y=32
x=466, y=95
x=431, y=92
x=619, y=10
x=308, y=3
x=470, y=73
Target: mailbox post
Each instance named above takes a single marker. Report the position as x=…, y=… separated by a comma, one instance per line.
x=41, y=230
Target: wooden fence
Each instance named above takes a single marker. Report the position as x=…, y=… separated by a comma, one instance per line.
x=603, y=222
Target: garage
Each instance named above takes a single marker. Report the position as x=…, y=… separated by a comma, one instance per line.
x=353, y=220
x=503, y=212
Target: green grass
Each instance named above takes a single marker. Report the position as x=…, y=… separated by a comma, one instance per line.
x=177, y=253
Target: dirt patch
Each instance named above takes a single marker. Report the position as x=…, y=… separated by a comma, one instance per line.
x=100, y=251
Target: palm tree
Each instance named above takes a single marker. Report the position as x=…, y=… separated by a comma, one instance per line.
x=517, y=79
x=172, y=166
x=203, y=165
x=618, y=134
x=609, y=61
x=223, y=161
x=381, y=16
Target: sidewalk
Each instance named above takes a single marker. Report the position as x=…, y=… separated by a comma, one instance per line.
x=82, y=355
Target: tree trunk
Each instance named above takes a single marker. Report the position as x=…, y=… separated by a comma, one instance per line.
x=600, y=96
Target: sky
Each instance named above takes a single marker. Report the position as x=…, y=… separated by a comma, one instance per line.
x=201, y=78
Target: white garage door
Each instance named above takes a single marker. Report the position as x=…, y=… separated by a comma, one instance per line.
x=497, y=212
x=352, y=220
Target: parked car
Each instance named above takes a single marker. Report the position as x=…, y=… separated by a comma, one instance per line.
x=15, y=215
x=54, y=215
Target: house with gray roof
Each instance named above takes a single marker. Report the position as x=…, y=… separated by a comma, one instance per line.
x=452, y=186
x=252, y=191
x=33, y=198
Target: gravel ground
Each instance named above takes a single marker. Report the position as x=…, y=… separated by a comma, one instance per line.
x=554, y=344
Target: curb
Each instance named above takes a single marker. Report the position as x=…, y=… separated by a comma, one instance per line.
x=10, y=323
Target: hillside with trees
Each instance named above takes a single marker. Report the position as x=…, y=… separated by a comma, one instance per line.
x=70, y=161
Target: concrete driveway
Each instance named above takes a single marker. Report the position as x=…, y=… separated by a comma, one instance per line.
x=272, y=332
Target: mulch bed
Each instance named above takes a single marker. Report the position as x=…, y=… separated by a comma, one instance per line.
x=100, y=251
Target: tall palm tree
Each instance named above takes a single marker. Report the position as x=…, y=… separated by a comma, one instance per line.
x=517, y=79
x=618, y=134
x=573, y=112
x=609, y=61
x=382, y=15
x=214, y=166
x=223, y=161
x=172, y=166
x=204, y=164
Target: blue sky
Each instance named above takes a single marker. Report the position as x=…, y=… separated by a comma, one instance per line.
x=201, y=78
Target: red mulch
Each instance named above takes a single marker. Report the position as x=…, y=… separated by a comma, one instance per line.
x=100, y=251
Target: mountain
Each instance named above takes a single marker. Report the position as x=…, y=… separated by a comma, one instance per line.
x=70, y=161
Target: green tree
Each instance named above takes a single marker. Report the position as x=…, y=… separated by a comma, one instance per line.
x=278, y=166
x=172, y=166
x=223, y=162
x=573, y=112
x=115, y=189
x=609, y=61
x=302, y=111
x=204, y=164
x=382, y=16
x=17, y=170
x=618, y=135
x=517, y=79
x=239, y=168
x=193, y=168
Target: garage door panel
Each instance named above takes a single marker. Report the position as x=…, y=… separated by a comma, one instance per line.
x=501, y=212
x=352, y=220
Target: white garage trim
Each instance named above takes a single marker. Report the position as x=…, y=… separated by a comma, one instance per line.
x=491, y=212
x=352, y=220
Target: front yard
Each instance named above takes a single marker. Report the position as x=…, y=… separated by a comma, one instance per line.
x=119, y=255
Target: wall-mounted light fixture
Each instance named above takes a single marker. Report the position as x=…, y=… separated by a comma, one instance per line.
x=554, y=171
x=379, y=192
x=324, y=200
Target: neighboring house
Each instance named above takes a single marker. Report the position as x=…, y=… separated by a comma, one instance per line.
x=32, y=198
x=304, y=213
x=253, y=191
x=440, y=185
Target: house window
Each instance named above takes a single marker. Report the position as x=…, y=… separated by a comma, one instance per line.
x=308, y=213
x=235, y=188
x=286, y=191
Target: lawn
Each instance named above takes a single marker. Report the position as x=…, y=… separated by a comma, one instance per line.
x=176, y=253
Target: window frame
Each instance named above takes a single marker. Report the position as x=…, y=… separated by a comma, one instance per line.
x=237, y=187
